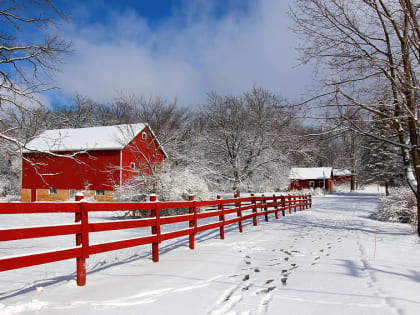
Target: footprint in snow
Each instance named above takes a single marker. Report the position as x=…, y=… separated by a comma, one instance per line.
x=266, y=290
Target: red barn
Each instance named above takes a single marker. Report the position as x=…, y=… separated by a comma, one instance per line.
x=59, y=163
x=342, y=176
x=311, y=178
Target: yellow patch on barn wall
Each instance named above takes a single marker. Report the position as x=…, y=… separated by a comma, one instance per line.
x=44, y=195
x=64, y=195
x=108, y=197
x=25, y=195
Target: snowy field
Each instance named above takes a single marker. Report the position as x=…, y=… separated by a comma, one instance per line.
x=331, y=259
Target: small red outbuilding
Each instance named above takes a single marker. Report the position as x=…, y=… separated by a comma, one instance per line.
x=59, y=163
x=311, y=178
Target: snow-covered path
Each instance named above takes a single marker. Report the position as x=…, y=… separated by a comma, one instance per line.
x=319, y=261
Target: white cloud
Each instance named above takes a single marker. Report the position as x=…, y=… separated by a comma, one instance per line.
x=187, y=56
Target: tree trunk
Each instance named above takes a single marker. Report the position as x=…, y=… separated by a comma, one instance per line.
x=353, y=182
x=386, y=188
x=418, y=216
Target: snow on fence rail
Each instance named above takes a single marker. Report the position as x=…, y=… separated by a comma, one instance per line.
x=224, y=211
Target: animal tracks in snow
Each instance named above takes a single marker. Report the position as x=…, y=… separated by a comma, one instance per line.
x=266, y=271
x=253, y=290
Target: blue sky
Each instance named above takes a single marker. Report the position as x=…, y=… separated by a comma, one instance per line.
x=179, y=49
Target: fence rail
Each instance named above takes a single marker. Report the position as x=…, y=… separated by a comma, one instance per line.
x=225, y=211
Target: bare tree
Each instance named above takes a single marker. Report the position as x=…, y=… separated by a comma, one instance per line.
x=242, y=137
x=29, y=52
x=368, y=52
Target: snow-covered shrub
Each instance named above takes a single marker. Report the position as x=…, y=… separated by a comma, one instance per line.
x=400, y=206
x=179, y=184
x=10, y=177
x=314, y=192
x=4, y=185
x=169, y=184
x=344, y=187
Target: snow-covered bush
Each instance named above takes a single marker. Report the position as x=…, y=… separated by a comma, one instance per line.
x=179, y=184
x=400, y=206
x=314, y=192
x=4, y=185
x=344, y=187
x=169, y=184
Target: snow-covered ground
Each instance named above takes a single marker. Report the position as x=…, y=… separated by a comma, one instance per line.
x=331, y=259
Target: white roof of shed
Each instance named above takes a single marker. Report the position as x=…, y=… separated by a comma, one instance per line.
x=310, y=173
x=342, y=172
x=93, y=138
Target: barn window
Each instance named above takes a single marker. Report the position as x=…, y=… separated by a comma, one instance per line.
x=133, y=165
x=100, y=193
x=52, y=191
x=144, y=135
x=311, y=184
x=72, y=193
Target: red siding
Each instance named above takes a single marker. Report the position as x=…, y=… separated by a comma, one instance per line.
x=145, y=153
x=342, y=179
x=304, y=184
x=98, y=168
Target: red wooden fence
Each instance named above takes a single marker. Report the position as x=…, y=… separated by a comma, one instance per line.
x=227, y=211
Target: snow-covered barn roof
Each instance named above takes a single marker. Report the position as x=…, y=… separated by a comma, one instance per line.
x=341, y=172
x=310, y=173
x=93, y=138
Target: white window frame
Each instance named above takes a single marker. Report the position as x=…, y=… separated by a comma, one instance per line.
x=311, y=184
x=99, y=192
x=133, y=165
x=52, y=191
x=144, y=135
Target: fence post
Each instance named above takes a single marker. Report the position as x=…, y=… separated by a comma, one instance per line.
x=264, y=201
x=77, y=217
x=192, y=223
x=300, y=202
x=276, y=206
x=310, y=201
x=154, y=212
x=221, y=217
x=254, y=210
x=282, y=205
x=289, y=203
x=239, y=212
x=82, y=239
